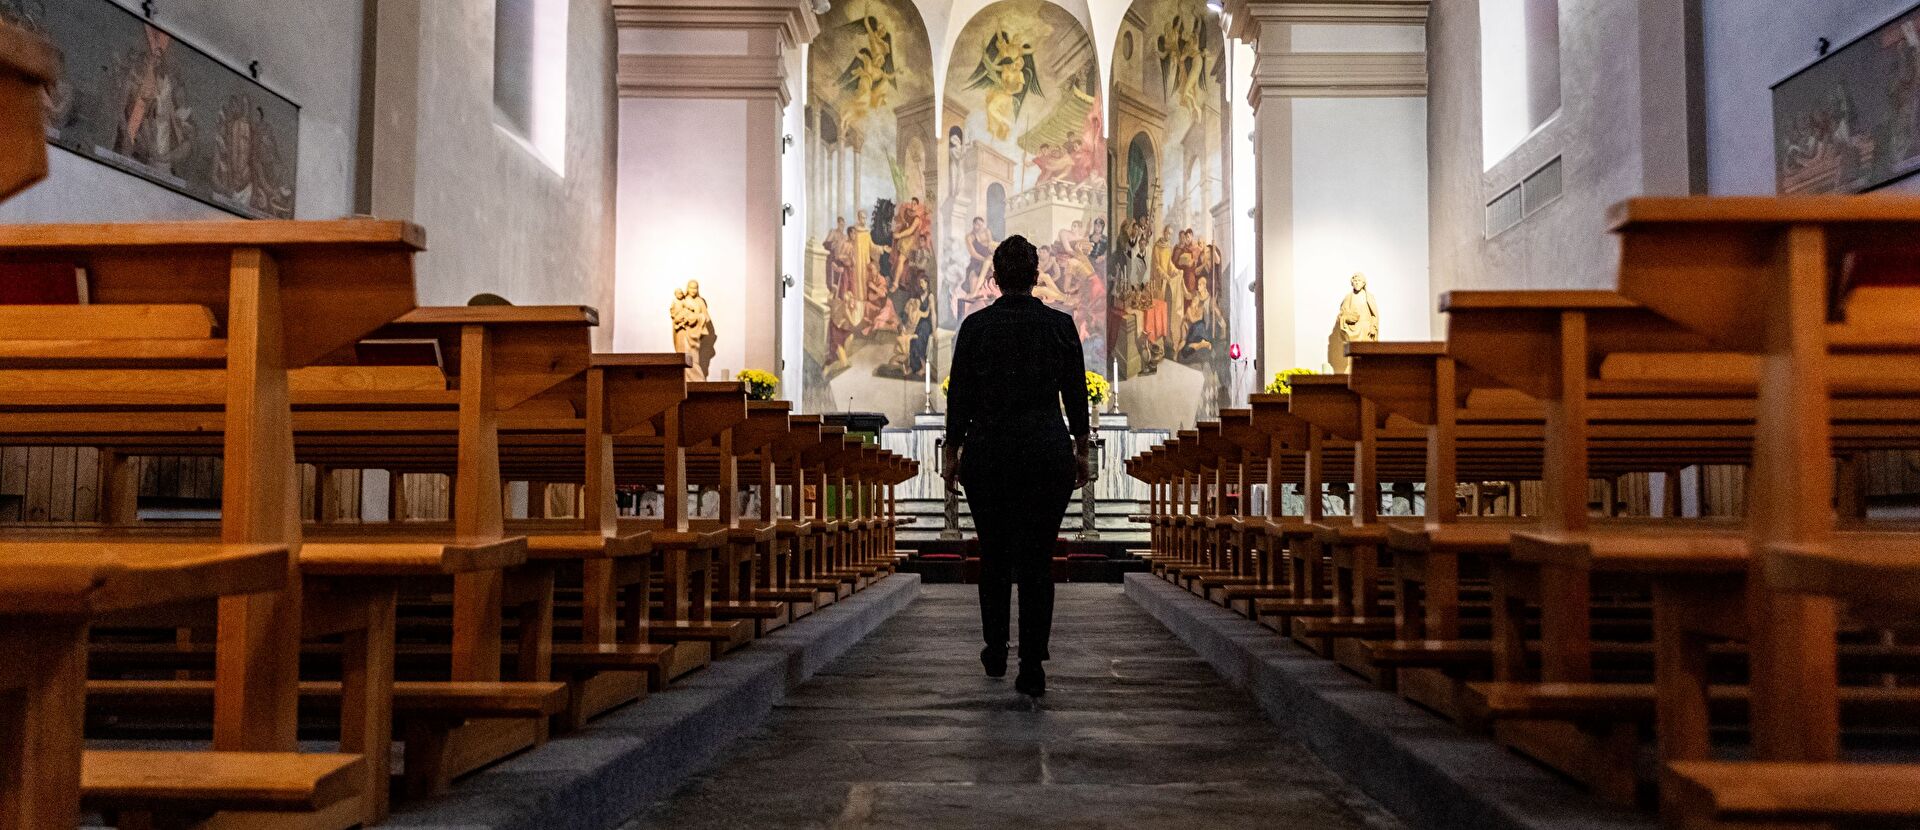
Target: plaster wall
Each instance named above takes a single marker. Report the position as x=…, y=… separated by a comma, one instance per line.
x=499, y=218
x=1746, y=51
x=1621, y=132
x=310, y=52
x=682, y=213
x=1359, y=204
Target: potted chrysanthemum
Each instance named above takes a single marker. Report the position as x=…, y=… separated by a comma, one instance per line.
x=761, y=384
x=1282, y=383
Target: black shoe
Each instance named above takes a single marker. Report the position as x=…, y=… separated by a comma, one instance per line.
x=1032, y=681
x=994, y=660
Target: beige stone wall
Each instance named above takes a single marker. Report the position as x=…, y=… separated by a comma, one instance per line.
x=498, y=218
x=1622, y=131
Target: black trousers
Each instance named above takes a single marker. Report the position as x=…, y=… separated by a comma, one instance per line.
x=1018, y=492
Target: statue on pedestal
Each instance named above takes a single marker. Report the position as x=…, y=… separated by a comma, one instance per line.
x=692, y=329
x=1359, y=322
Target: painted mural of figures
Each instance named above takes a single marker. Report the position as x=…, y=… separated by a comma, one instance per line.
x=912, y=346
x=847, y=306
x=156, y=124
x=870, y=286
x=912, y=232
x=980, y=245
x=1023, y=85
x=1172, y=295
x=1183, y=60
x=957, y=147
x=246, y=163
x=977, y=289
x=873, y=146
x=1008, y=74
x=1089, y=151
x=1166, y=277
x=1203, y=323
x=1054, y=164
x=1189, y=258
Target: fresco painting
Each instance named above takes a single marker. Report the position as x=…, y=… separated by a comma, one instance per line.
x=1026, y=154
x=871, y=274
x=1851, y=122
x=134, y=97
x=1168, y=326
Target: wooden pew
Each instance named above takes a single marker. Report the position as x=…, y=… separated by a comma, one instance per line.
x=1804, y=284
x=1559, y=567
x=28, y=65
x=1614, y=396
x=350, y=409
x=614, y=661
x=272, y=289
x=690, y=547
x=50, y=593
x=792, y=582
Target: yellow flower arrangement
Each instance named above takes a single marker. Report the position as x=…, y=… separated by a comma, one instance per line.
x=1097, y=389
x=1282, y=383
x=761, y=384
x=944, y=383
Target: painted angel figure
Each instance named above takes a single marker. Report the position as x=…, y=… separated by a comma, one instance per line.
x=1007, y=72
x=1183, y=61
x=871, y=75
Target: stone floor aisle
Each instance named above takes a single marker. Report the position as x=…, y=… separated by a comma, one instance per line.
x=905, y=731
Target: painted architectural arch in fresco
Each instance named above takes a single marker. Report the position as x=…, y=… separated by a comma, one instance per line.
x=871, y=269
x=1026, y=154
x=1171, y=214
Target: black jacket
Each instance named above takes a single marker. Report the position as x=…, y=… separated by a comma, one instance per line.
x=1017, y=365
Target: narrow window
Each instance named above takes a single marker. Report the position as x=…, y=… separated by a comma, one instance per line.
x=1519, y=72
x=530, y=75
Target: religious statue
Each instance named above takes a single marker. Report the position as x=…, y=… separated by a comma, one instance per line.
x=1359, y=322
x=692, y=328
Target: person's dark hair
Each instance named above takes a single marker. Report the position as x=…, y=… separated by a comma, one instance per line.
x=1016, y=265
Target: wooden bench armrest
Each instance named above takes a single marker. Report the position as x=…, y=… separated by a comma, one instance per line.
x=1880, y=571
x=437, y=698
x=343, y=555
x=1795, y=791
x=77, y=577
x=588, y=544
x=206, y=781
x=1669, y=550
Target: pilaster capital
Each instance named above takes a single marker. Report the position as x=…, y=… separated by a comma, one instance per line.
x=792, y=20
x=710, y=48
x=1245, y=17
x=1340, y=75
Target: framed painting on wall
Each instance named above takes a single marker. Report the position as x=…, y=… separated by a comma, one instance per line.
x=1850, y=122
x=134, y=97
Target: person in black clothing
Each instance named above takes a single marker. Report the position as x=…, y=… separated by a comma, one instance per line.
x=1016, y=366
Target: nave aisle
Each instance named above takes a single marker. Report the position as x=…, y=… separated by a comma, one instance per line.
x=904, y=731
